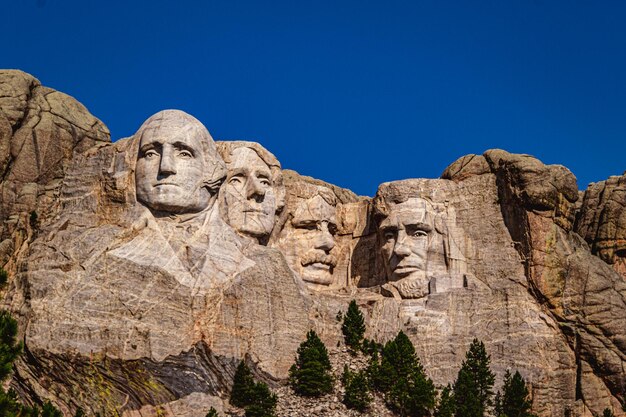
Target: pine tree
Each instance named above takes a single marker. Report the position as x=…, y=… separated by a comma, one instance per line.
x=243, y=385
x=310, y=375
x=262, y=401
x=212, y=413
x=357, y=393
x=4, y=277
x=514, y=400
x=10, y=349
x=254, y=397
x=353, y=327
x=446, y=403
x=607, y=413
x=400, y=376
x=473, y=387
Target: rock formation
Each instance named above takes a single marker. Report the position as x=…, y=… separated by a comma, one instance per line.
x=143, y=270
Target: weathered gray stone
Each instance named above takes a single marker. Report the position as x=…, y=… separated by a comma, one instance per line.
x=144, y=279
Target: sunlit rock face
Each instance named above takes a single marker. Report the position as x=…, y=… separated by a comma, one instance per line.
x=253, y=192
x=156, y=263
x=308, y=236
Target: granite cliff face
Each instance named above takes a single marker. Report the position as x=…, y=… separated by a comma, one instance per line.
x=143, y=270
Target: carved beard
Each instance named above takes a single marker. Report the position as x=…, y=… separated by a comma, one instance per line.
x=412, y=287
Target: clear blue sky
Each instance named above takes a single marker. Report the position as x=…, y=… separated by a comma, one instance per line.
x=355, y=92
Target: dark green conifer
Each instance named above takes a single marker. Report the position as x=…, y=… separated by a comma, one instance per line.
x=514, y=399
x=353, y=327
x=4, y=277
x=607, y=413
x=262, y=401
x=9, y=347
x=473, y=387
x=310, y=375
x=243, y=384
x=445, y=408
x=400, y=376
x=357, y=393
x=212, y=413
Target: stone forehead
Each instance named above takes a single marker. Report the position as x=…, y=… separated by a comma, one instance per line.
x=167, y=122
x=314, y=208
x=414, y=209
x=226, y=149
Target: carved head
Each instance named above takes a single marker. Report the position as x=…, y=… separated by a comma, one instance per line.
x=308, y=237
x=178, y=168
x=412, y=244
x=253, y=192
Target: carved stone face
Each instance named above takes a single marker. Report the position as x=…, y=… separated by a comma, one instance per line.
x=308, y=240
x=405, y=238
x=249, y=195
x=170, y=171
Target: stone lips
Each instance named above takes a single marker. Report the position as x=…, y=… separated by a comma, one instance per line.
x=124, y=308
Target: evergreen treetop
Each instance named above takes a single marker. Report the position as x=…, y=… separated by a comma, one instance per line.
x=400, y=376
x=473, y=388
x=353, y=326
x=515, y=396
x=310, y=374
x=445, y=408
x=243, y=384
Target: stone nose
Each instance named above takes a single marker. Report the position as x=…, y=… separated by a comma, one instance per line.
x=325, y=240
x=167, y=165
x=401, y=247
x=254, y=189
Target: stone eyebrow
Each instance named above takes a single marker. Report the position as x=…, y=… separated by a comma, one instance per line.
x=420, y=225
x=183, y=145
x=150, y=145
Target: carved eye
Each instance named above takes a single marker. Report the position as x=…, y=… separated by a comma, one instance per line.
x=185, y=154
x=150, y=153
x=332, y=228
x=265, y=182
x=389, y=234
x=235, y=180
x=418, y=233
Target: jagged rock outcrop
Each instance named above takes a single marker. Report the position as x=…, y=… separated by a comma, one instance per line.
x=601, y=221
x=158, y=262
x=40, y=131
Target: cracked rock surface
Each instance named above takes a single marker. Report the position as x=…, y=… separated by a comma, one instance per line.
x=128, y=310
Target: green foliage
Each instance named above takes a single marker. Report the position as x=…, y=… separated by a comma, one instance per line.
x=254, y=397
x=400, y=376
x=474, y=383
x=357, y=393
x=370, y=347
x=33, y=219
x=262, y=402
x=79, y=412
x=445, y=408
x=212, y=413
x=515, y=397
x=50, y=410
x=9, y=347
x=310, y=375
x=4, y=277
x=353, y=326
x=607, y=413
x=242, y=386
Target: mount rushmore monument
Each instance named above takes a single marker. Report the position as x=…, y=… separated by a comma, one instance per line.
x=143, y=270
